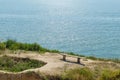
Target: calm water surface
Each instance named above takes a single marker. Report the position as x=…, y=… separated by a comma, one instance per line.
x=81, y=26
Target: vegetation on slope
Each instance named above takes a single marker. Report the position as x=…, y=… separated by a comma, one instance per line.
x=14, y=45
x=14, y=64
x=78, y=74
x=86, y=74
x=2, y=46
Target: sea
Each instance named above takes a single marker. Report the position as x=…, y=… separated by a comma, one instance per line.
x=85, y=27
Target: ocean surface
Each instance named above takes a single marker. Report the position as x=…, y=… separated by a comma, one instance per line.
x=87, y=27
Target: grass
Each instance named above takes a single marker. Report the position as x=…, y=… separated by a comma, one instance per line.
x=2, y=46
x=14, y=45
x=71, y=53
x=116, y=60
x=13, y=64
x=78, y=74
x=85, y=74
x=110, y=75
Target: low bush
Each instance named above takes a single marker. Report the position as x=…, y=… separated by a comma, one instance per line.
x=13, y=45
x=2, y=46
x=78, y=74
x=92, y=57
x=13, y=64
x=110, y=75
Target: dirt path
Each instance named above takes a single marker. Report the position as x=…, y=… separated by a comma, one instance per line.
x=55, y=64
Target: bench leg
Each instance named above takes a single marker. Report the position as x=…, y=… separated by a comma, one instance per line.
x=64, y=57
x=78, y=60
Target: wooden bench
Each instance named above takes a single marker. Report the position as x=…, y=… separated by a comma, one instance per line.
x=78, y=59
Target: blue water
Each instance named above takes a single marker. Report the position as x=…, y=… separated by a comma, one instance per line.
x=80, y=26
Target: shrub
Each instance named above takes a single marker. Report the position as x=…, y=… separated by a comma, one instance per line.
x=54, y=51
x=92, y=57
x=2, y=46
x=110, y=75
x=116, y=60
x=14, y=46
x=9, y=43
x=18, y=64
x=78, y=74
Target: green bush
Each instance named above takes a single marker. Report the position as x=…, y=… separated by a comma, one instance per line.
x=116, y=60
x=78, y=74
x=13, y=45
x=92, y=57
x=13, y=64
x=9, y=43
x=2, y=46
x=110, y=75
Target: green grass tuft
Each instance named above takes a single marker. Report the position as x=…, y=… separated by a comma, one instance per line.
x=78, y=74
x=13, y=64
x=2, y=46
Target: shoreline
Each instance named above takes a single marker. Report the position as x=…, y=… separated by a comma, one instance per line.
x=14, y=45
